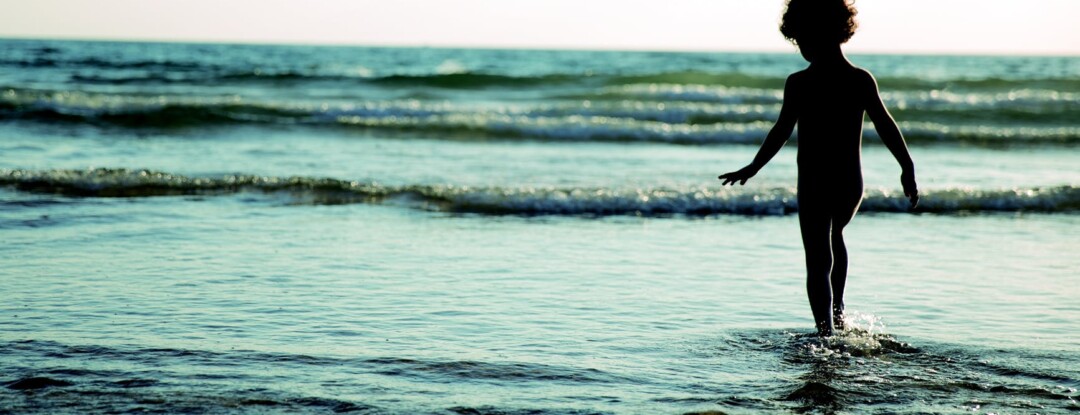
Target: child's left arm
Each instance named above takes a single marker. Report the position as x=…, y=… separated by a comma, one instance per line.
x=894, y=141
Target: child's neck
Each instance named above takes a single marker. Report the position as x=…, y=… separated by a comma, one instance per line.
x=829, y=57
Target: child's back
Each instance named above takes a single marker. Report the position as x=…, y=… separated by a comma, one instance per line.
x=830, y=103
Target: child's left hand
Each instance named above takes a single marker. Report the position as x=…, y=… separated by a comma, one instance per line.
x=907, y=179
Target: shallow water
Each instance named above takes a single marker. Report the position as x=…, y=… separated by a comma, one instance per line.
x=239, y=302
x=194, y=262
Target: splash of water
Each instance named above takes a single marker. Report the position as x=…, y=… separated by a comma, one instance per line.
x=863, y=335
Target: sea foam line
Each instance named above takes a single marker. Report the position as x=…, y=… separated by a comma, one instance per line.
x=526, y=200
x=624, y=120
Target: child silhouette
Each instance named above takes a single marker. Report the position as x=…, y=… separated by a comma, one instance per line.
x=828, y=100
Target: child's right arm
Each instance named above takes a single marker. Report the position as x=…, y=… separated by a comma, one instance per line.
x=894, y=141
x=774, y=141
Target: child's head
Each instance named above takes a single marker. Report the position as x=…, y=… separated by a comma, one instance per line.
x=818, y=22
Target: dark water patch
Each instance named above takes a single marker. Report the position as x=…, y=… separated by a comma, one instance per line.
x=333, y=405
x=141, y=79
x=136, y=383
x=191, y=399
x=526, y=201
x=487, y=410
x=474, y=80
x=442, y=370
x=148, y=117
x=36, y=203
x=684, y=399
x=492, y=371
x=49, y=59
x=38, y=222
x=45, y=50
x=78, y=372
x=36, y=382
x=817, y=396
x=73, y=389
x=191, y=381
x=164, y=74
x=1033, y=373
x=477, y=80
x=209, y=77
x=258, y=75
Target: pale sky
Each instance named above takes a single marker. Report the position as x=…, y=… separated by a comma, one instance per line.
x=897, y=26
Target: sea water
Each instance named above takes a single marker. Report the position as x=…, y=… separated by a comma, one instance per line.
x=197, y=228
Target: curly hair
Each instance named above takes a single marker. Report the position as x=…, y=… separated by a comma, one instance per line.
x=818, y=20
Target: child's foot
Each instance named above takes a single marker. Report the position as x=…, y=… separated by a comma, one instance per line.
x=824, y=329
x=838, y=320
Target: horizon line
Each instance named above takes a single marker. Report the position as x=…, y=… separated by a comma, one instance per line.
x=583, y=48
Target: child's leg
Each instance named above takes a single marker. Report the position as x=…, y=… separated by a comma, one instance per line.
x=840, y=257
x=816, y=227
x=839, y=275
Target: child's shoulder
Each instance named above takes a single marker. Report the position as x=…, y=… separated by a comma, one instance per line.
x=795, y=80
x=863, y=74
x=853, y=75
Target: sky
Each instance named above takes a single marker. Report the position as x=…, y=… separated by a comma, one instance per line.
x=886, y=26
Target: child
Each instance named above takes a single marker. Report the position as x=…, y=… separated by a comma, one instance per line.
x=827, y=100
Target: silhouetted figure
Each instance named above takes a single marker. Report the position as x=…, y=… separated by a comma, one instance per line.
x=827, y=100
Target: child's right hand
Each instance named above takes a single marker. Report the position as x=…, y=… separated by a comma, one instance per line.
x=741, y=176
x=907, y=179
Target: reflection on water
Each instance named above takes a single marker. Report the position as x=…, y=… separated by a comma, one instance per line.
x=817, y=394
x=832, y=364
x=866, y=370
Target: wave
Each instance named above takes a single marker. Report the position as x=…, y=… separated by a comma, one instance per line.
x=681, y=122
x=529, y=201
x=474, y=80
x=600, y=128
x=569, y=128
x=196, y=77
x=930, y=99
x=464, y=80
x=451, y=80
x=47, y=61
x=95, y=70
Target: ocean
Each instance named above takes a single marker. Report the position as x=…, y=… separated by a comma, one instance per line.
x=210, y=228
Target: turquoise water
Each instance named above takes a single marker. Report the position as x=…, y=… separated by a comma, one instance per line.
x=456, y=231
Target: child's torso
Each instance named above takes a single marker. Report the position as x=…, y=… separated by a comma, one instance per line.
x=830, y=106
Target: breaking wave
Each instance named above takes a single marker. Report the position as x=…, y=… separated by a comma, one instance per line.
x=739, y=118
x=529, y=201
